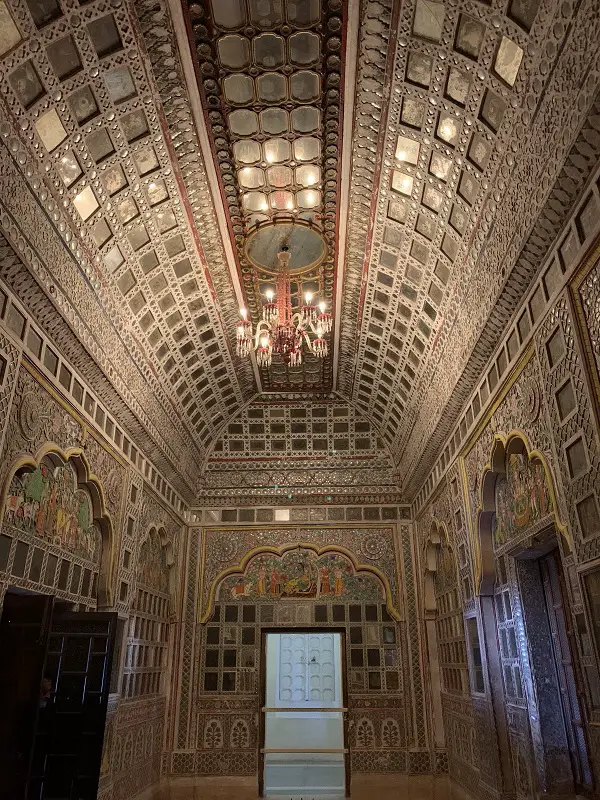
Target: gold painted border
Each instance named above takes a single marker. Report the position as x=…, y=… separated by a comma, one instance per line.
x=239, y=569
x=67, y=406
x=499, y=398
x=97, y=436
x=504, y=441
x=470, y=443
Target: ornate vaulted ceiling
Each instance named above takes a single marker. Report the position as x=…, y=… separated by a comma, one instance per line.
x=270, y=75
x=431, y=145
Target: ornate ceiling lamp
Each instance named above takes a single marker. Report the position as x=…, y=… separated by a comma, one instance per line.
x=282, y=330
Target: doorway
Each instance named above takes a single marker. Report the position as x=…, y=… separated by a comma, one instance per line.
x=54, y=685
x=562, y=761
x=303, y=720
x=563, y=646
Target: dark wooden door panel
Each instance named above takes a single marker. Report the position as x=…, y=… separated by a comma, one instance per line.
x=67, y=749
x=23, y=635
x=560, y=618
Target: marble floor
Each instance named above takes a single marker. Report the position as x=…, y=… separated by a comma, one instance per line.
x=364, y=787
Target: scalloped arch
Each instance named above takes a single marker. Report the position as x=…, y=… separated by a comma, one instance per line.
x=239, y=569
x=502, y=446
x=437, y=538
x=167, y=545
x=86, y=479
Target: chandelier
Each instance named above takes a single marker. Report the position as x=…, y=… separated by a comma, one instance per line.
x=281, y=330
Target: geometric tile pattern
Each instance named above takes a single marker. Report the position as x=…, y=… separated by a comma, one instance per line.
x=455, y=157
x=78, y=91
x=270, y=80
x=267, y=428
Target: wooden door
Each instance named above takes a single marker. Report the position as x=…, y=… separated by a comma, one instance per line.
x=23, y=635
x=67, y=747
x=560, y=619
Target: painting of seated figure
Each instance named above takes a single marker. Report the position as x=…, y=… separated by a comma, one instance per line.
x=522, y=498
x=47, y=504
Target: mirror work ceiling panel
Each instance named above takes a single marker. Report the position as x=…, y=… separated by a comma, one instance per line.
x=80, y=116
x=270, y=77
x=464, y=115
x=469, y=132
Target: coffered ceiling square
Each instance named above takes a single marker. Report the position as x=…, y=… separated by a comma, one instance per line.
x=51, y=130
x=9, y=33
x=26, y=83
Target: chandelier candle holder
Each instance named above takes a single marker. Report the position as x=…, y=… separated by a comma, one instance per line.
x=308, y=311
x=324, y=320
x=281, y=330
x=244, y=334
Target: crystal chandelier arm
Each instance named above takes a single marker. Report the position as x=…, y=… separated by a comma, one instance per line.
x=262, y=329
x=296, y=320
x=314, y=328
x=306, y=338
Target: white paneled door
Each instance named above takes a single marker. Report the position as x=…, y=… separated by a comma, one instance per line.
x=304, y=750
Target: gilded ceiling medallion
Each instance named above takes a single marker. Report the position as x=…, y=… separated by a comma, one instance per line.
x=305, y=243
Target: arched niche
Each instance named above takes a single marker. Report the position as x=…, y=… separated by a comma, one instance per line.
x=517, y=493
x=155, y=562
x=440, y=564
x=303, y=571
x=437, y=535
x=54, y=498
x=439, y=573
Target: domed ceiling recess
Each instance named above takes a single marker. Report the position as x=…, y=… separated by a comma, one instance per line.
x=270, y=77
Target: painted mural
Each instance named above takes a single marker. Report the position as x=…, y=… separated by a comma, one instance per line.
x=522, y=498
x=300, y=574
x=152, y=564
x=47, y=504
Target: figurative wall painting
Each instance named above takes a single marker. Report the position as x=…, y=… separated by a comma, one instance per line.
x=152, y=569
x=522, y=498
x=47, y=504
x=297, y=574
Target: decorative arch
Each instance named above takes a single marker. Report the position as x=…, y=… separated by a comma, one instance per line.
x=437, y=540
x=442, y=609
x=21, y=499
x=155, y=560
x=240, y=570
x=438, y=535
x=498, y=469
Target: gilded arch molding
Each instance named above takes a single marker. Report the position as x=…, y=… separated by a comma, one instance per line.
x=329, y=549
x=85, y=479
x=516, y=442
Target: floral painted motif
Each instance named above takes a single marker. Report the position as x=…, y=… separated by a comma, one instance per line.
x=47, y=504
x=522, y=498
x=297, y=574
